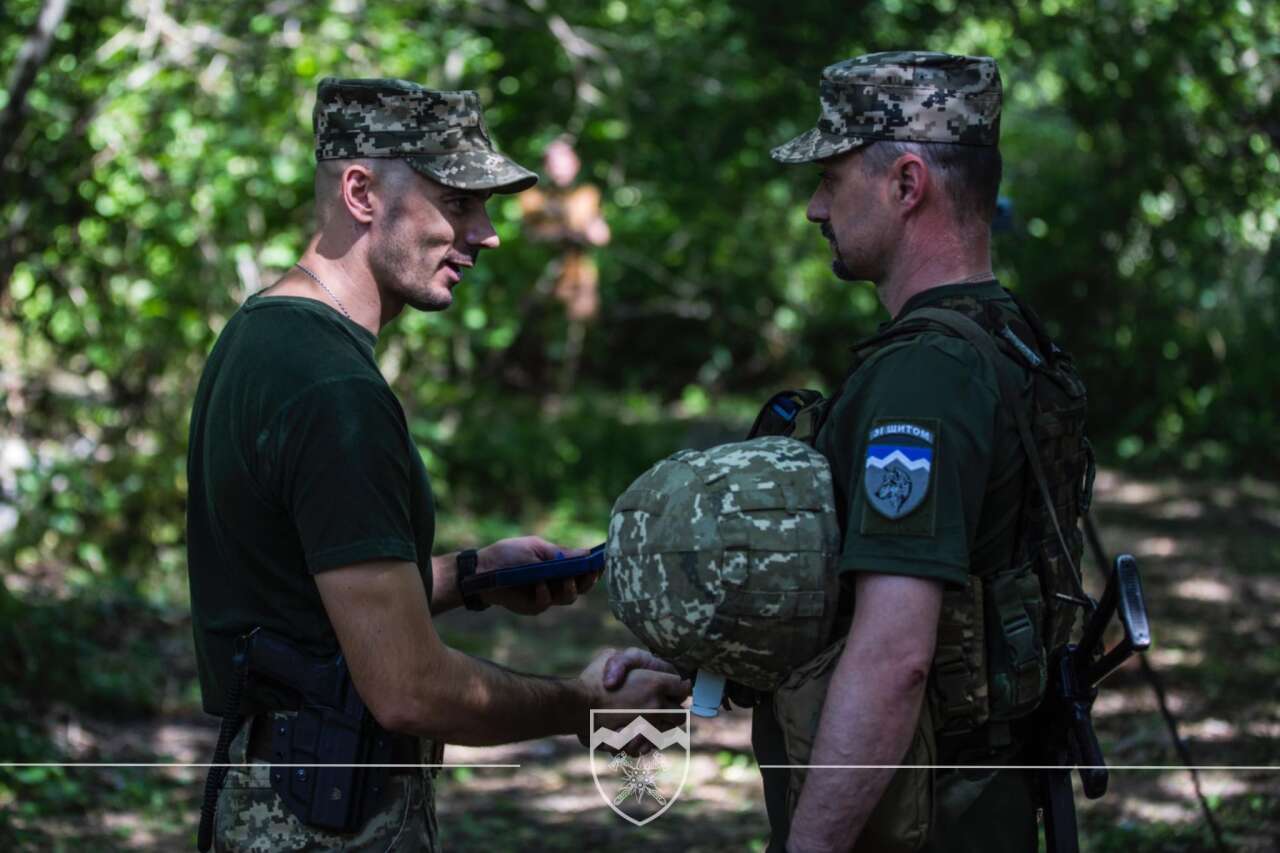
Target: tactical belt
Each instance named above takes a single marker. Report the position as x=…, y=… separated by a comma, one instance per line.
x=404, y=748
x=993, y=743
x=332, y=731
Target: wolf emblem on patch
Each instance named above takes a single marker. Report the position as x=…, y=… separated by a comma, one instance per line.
x=899, y=467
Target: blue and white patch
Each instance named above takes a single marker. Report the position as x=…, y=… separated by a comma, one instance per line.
x=898, y=467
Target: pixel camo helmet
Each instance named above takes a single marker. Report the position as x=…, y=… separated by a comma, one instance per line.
x=723, y=562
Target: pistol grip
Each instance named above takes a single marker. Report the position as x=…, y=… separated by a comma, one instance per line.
x=1092, y=766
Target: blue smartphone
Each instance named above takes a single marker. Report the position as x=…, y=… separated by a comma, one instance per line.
x=532, y=573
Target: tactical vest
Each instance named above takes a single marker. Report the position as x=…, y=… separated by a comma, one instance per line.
x=996, y=633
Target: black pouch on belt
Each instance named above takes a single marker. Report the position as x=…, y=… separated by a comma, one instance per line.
x=333, y=732
x=341, y=797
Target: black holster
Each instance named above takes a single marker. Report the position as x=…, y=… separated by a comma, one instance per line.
x=332, y=732
x=336, y=798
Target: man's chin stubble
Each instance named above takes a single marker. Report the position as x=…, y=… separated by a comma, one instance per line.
x=430, y=302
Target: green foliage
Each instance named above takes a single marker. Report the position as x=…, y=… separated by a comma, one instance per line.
x=581, y=456
x=1135, y=837
x=162, y=172
x=94, y=650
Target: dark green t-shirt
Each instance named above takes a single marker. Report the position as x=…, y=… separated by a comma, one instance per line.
x=299, y=461
x=928, y=476
x=915, y=441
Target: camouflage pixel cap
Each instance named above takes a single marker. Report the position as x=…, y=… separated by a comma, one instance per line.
x=441, y=135
x=905, y=96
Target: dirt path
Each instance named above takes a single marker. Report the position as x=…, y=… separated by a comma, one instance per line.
x=1210, y=556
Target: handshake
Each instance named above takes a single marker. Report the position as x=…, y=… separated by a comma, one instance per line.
x=631, y=679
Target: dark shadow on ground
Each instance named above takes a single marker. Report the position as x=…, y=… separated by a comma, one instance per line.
x=1210, y=556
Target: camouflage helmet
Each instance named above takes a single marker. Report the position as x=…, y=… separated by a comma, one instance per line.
x=723, y=561
x=441, y=135
x=907, y=96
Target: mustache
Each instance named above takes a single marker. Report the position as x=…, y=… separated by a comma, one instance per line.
x=825, y=228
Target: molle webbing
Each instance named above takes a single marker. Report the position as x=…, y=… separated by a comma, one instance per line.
x=959, y=672
x=1020, y=601
x=1025, y=607
x=1051, y=426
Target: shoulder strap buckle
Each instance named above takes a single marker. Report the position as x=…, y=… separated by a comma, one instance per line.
x=779, y=414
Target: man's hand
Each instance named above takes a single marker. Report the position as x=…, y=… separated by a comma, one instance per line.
x=623, y=662
x=615, y=675
x=533, y=599
x=500, y=555
x=635, y=687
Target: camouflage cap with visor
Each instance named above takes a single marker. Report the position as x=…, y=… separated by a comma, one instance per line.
x=441, y=135
x=905, y=96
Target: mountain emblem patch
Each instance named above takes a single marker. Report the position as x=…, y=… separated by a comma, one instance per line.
x=898, y=472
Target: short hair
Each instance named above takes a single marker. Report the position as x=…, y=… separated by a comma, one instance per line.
x=393, y=172
x=970, y=174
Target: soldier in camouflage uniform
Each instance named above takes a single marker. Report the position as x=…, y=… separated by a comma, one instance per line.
x=310, y=511
x=927, y=465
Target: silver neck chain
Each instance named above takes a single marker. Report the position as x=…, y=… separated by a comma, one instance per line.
x=325, y=288
x=974, y=279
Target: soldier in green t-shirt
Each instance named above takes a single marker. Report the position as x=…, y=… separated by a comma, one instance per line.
x=310, y=511
x=927, y=466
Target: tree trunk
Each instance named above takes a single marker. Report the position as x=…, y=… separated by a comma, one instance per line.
x=23, y=74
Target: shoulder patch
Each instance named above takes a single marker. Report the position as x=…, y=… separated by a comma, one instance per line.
x=898, y=473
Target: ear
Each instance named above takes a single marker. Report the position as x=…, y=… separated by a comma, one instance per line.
x=909, y=182
x=357, y=192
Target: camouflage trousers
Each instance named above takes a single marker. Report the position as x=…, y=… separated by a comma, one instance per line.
x=252, y=819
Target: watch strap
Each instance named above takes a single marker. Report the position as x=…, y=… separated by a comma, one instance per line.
x=466, y=567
